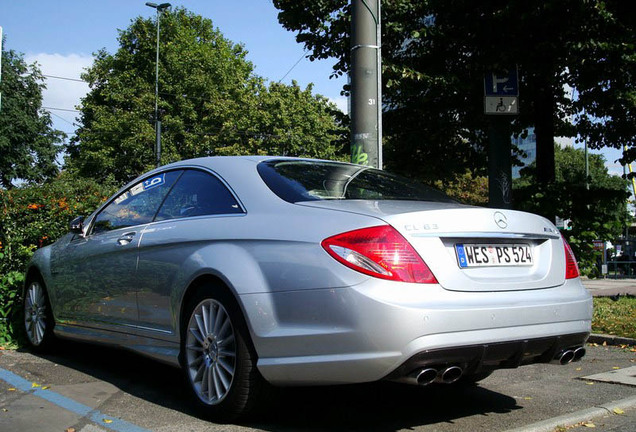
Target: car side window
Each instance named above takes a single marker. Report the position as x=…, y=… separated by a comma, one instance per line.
x=198, y=193
x=137, y=205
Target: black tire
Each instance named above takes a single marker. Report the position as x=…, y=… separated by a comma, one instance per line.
x=220, y=366
x=38, y=315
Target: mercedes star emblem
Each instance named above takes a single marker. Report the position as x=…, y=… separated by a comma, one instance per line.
x=501, y=220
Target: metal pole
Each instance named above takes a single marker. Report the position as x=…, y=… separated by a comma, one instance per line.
x=626, y=222
x=160, y=8
x=366, y=105
x=587, y=169
x=378, y=42
x=0, y=65
x=499, y=164
x=157, y=122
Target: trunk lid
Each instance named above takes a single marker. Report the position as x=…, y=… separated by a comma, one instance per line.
x=444, y=233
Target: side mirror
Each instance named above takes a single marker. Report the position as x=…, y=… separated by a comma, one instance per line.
x=77, y=225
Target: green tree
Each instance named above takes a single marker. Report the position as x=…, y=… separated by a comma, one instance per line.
x=467, y=188
x=435, y=54
x=28, y=143
x=211, y=103
x=597, y=209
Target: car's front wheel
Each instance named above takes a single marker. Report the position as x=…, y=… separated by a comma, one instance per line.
x=219, y=363
x=38, y=316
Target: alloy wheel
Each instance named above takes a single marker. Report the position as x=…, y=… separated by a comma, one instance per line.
x=211, y=351
x=35, y=313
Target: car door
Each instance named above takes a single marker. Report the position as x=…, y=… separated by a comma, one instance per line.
x=102, y=265
x=191, y=215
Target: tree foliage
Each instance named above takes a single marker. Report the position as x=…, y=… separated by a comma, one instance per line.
x=211, y=103
x=467, y=188
x=598, y=209
x=32, y=216
x=28, y=143
x=435, y=54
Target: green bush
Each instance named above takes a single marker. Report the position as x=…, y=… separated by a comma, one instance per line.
x=31, y=217
x=10, y=284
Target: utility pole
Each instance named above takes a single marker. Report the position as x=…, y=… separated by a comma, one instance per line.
x=160, y=8
x=366, y=83
x=0, y=65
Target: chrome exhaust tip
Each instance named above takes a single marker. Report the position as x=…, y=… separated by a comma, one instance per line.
x=451, y=374
x=566, y=357
x=578, y=354
x=426, y=376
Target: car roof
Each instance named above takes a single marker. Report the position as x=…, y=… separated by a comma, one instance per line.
x=240, y=174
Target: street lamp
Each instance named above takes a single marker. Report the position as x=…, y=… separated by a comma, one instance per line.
x=160, y=8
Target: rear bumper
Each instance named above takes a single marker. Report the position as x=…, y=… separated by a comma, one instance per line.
x=475, y=359
x=381, y=329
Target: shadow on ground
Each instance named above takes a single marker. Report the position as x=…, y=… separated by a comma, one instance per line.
x=377, y=406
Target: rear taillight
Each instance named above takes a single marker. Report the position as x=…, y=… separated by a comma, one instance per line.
x=381, y=252
x=571, y=267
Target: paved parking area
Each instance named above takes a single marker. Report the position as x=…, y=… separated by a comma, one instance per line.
x=610, y=287
x=92, y=388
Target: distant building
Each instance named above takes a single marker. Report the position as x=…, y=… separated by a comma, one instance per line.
x=527, y=146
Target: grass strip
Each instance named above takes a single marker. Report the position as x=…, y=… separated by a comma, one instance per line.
x=615, y=317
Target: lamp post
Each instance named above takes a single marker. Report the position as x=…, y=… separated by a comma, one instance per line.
x=160, y=8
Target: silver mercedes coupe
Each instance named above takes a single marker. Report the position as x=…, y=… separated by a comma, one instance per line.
x=252, y=270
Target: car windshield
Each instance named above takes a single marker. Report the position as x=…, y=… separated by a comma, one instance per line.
x=302, y=180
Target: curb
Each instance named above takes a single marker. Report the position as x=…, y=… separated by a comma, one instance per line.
x=578, y=416
x=610, y=340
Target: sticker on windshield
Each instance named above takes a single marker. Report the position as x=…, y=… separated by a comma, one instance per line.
x=121, y=198
x=137, y=189
x=148, y=184
x=154, y=181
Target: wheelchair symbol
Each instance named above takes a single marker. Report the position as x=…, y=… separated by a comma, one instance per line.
x=501, y=107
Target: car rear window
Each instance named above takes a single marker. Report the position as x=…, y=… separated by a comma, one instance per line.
x=302, y=180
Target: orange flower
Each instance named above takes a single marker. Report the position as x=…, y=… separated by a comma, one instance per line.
x=34, y=206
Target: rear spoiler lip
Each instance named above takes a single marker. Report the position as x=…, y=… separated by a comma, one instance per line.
x=489, y=235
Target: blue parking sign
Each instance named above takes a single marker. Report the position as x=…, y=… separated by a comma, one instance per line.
x=503, y=82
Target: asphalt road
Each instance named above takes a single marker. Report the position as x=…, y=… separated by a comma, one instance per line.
x=610, y=287
x=92, y=388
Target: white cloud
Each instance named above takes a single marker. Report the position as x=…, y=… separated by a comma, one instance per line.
x=60, y=93
x=342, y=103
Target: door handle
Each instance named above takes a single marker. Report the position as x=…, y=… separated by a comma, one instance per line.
x=126, y=238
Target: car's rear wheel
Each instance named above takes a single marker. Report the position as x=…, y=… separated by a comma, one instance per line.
x=219, y=363
x=38, y=316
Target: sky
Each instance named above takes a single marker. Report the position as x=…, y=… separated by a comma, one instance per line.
x=62, y=35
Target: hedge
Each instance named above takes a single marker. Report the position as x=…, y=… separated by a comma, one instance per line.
x=33, y=216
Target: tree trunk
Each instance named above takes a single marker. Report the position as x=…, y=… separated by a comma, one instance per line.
x=544, y=130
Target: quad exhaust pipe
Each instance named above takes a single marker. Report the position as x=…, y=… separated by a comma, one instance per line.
x=426, y=376
x=450, y=374
x=570, y=355
x=578, y=354
x=430, y=375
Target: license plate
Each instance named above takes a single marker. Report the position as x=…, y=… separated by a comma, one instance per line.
x=485, y=255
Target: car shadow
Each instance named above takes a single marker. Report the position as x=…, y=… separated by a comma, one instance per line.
x=381, y=406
